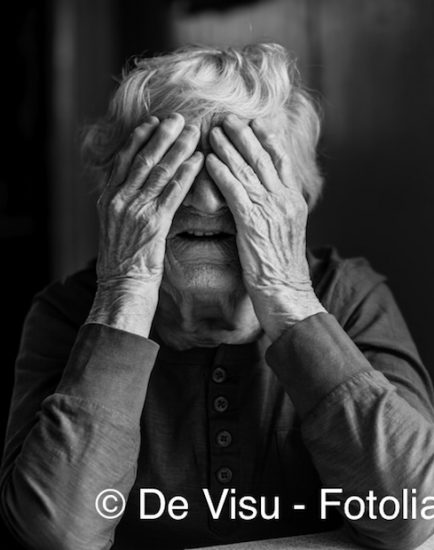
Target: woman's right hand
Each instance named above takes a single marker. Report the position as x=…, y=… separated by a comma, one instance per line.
x=151, y=176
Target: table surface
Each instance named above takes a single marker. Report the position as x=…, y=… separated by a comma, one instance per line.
x=332, y=540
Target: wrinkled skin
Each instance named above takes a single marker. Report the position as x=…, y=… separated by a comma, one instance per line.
x=137, y=206
x=253, y=171
x=224, y=295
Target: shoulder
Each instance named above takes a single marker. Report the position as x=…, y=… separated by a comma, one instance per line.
x=343, y=284
x=50, y=330
x=69, y=299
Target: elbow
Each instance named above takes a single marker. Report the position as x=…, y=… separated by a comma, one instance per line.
x=42, y=533
x=38, y=525
x=29, y=525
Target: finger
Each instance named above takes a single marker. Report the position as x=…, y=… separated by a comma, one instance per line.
x=176, y=190
x=140, y=135
x=154, y=150
x=244, y=139
x=234, y=161
x=137, y=139
x=180, y=151
x=273, y=143
x=236, y=196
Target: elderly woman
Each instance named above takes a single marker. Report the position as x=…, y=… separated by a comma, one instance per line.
x=209, y=380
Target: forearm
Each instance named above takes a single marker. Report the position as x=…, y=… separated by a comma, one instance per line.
x=86, y=439
x=365, y=439
x=360, y=433
x=49, y=493
x=312, y=357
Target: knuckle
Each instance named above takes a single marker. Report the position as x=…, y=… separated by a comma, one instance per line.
x=270, y=137
x=185, y=171
x=262, y=161
x=143, y=160
x=246, y=171
x=176, y=184
x=161, y=172
x=139, y=133
x=115, y=205
x=178, y=148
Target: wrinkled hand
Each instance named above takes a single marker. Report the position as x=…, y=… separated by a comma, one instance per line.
x=136, y=208
x=253, y=171
x=151, y=176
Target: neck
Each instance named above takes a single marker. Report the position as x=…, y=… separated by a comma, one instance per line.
x=205, y=319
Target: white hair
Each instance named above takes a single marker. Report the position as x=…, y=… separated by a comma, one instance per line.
x=258, y=80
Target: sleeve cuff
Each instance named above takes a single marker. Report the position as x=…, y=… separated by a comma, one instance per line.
x=111, y=368
x=312, y=358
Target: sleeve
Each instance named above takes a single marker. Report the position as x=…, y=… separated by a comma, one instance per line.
x=365, y=402
x=73, y=429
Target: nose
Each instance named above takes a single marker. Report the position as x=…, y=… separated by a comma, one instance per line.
x=204, y=195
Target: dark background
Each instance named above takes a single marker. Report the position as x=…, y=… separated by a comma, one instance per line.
x=370, y=63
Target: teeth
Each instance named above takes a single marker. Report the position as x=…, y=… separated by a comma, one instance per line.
x=202, y=233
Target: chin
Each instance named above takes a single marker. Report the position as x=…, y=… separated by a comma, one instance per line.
x=204, y=278
x=203, y=302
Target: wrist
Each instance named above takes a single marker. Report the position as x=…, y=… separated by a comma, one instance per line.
x=281, y=310
x=126, y=305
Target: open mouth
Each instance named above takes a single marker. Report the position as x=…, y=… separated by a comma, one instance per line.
x=203, y=247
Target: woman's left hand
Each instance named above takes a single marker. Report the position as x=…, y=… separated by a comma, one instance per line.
x=253, y=171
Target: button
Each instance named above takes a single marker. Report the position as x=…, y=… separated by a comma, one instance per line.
x=221, y=404
x=218, y=375
x=224, y=474
x=224, y=438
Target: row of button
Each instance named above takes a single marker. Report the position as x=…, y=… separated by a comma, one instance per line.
x=224, y=437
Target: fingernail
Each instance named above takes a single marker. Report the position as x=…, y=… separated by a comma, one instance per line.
x=175, y=116
x=153, y=120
